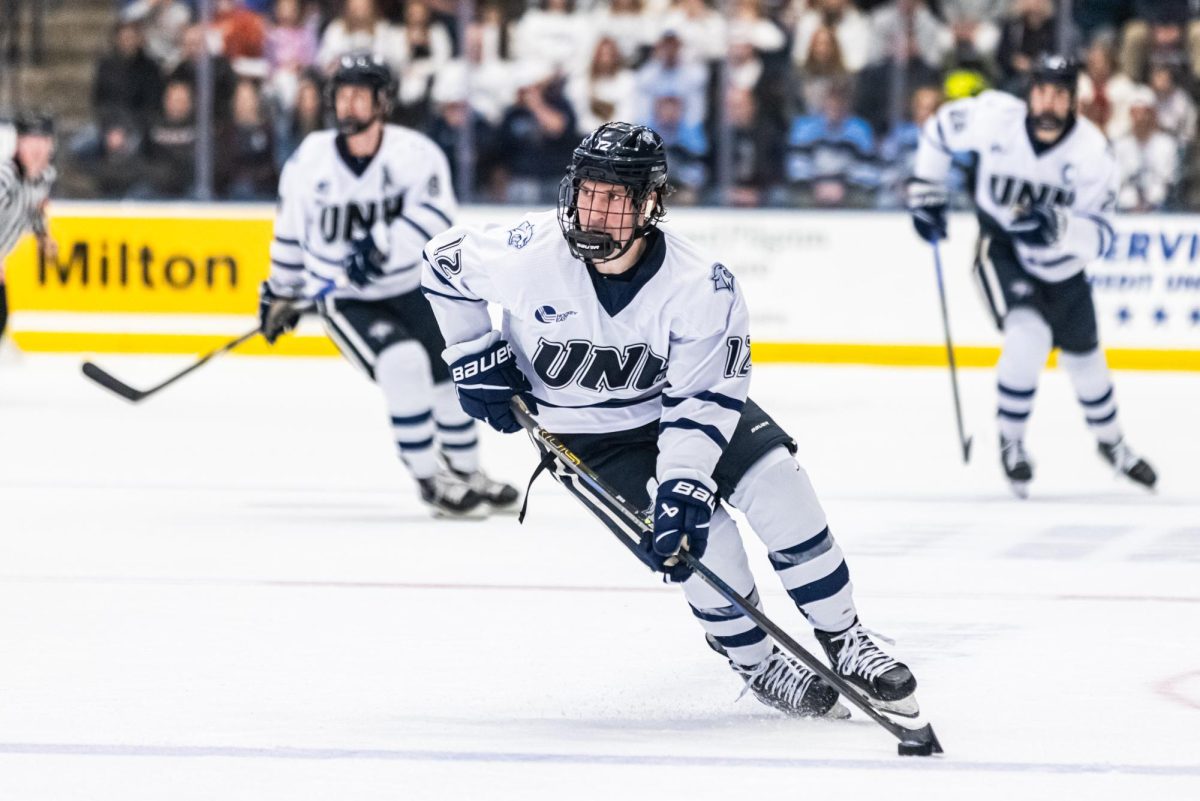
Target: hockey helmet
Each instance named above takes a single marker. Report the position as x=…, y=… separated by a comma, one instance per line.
x=618, y=153
x=362, y=68
x=1055, y=69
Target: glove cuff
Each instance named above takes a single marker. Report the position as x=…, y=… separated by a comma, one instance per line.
x=472, y=347
x=688, y=474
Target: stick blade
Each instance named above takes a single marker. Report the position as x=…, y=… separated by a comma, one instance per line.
x=111, y=383
x=920, y=742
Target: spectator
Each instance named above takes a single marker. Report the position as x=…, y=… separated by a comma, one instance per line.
x=163, y=23
x=307, y=115
x=852, y=29
x=882, y=89
x=536, y=135
x=491, y=89
x=626, y=24
x=1104, y=95
x=243, y=33
x=360, y=27
x=552, y=32
x=1169, y=28
x=128, y=82
x=251, y=147
x=823, y=67
x=755, y=152
x=749, y=24
x=291, y=48
x=195, y=42
x=1147, y=158
x=700, y=28
x=1029, y=32
x=1175, y=109
x=427, y=50
x=974, y=33
x=120, y=170
x=687, y=147
x=668, y=74
x=171, y=143
x=898, y=151
x=901, y=18
x=829, y=154
x=453, y=113
x=605, y=91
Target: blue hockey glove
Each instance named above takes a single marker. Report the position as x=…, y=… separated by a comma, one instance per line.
x=487, y=382
x=1040, y=226
x=276, y=314
x=682, y=511
x=365, y=262
x=927, y=204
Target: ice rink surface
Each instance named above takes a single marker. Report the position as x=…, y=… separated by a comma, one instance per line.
x=230, y=592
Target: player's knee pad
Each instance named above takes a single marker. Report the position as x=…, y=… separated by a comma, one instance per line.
x=779, y=501
x=402, y=372
x=1027, y=343
x=726, y=557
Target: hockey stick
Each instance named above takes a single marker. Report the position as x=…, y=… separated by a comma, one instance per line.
x=963, y=439
x=631, y=526
x=133, y=395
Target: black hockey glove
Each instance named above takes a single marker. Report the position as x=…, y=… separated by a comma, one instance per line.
x=1040, y=226
x=487, y=382
x=682, y=511
x=927, y=204
x=276, y=315
x=365, y=262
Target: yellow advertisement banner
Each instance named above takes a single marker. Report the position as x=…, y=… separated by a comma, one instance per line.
x=196, y=265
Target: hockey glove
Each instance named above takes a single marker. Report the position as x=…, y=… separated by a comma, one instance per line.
x=487, y=382
x=1040, y=226
x=365, y=262
x=682, y=510
x=927, y=205
x=276, y=315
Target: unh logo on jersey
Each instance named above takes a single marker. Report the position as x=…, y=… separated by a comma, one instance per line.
x=354, y=220
x=721, y=278
x=548, y=314
x=597, y=367
x=519, y=237
x=1009, y=191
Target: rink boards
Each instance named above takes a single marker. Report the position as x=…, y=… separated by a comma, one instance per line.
x=823, y=287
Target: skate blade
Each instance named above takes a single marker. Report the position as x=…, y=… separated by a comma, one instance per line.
x=1020, y=489
x=478, y=513
x=505, y=509
x=904, y=707
x=837, y=712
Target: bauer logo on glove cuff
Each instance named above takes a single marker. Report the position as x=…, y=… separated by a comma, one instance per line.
x=689, y=490
x=483, y=363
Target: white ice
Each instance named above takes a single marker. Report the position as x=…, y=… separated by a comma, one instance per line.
x=230, y=592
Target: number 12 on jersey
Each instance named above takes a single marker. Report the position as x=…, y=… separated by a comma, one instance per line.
x=737, y=357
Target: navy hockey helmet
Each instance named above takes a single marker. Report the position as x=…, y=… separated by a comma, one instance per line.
x=630, y=156
x=361, y=68
x=1055, y=69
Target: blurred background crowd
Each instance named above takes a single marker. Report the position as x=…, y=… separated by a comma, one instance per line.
x=761, y=102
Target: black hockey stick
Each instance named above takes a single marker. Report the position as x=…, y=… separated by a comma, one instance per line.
x=630, y=527
x=114, y=384
x=963, y=439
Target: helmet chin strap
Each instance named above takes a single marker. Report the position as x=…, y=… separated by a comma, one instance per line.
x=349, y=126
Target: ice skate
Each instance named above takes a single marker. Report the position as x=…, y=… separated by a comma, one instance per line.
x=887, y=685
x=1016, y=464
x=781, y=682
x=450, y=496
x=1128, y=463
x=499, y=496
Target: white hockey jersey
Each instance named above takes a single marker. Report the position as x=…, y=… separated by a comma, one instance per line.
x=1078, y=174
x=402, y=198
x=677, y=352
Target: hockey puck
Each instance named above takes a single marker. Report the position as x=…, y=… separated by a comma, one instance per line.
x=915, y=749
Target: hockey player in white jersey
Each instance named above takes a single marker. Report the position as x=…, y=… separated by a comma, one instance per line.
x=356, y=206
x=632, y=346
x=1046, y=181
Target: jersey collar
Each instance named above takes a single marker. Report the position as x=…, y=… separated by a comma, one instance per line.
x=355, y=164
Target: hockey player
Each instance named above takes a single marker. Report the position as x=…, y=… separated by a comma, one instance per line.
x=356, y=205
x=632, y=345
x=1046, y=180
x=25, y=182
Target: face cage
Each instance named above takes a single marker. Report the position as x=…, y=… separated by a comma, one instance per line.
x=353, y=125
x=598, y=246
